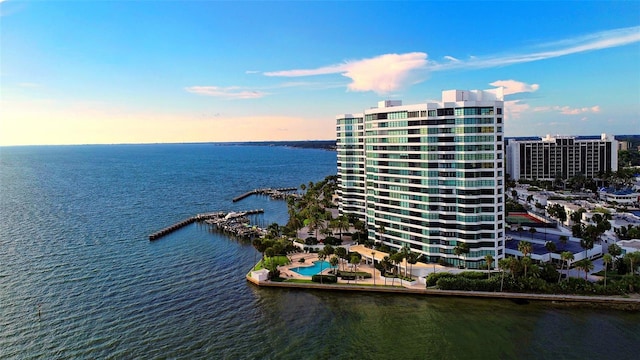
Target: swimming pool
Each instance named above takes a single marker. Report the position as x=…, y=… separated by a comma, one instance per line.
x=312, y=270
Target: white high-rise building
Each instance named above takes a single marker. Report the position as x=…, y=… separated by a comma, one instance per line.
x=429, y=176
x=564, y=157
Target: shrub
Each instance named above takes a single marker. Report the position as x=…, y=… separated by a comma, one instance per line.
x=467, y=284
x=350, y=275
x=274, y=274
x=433, y=278
x=326, y=279
x=630, y=283
x=333, y=241
x=549, y=273
x=473, y=275
x=311, y=241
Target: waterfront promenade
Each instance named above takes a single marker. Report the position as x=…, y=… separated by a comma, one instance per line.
x=378, y=285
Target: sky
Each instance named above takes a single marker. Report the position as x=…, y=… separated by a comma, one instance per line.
x=105, y=72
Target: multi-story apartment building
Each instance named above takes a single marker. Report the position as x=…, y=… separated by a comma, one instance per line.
x=351, y=164
x=428, y=176
x=563, y=157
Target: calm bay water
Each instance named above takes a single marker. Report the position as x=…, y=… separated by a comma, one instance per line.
x=79, y=279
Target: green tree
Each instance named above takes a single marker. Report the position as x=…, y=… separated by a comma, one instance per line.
x=334, y=262
x=354, y=261
x=373, y=265
x=563, y=240
x=503, y=264
x=412, y=259
x=489, y=260
x=461, y=249
x=525, y=248
x=615, y=250
x=386, y=265
x=550, y=246
x=566, y=257
x=585, y=265
x=588, y=239
x=273, y=230
x=632, y=258
x=396, y=259
x=260, y=246
x=606, y=260
x=342, y=224
x=342, y=253
x=576, y=216
x=322, y=255
x=329, y=250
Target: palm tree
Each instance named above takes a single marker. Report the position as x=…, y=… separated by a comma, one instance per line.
x=461, y=249
x=614, y=250
x=631, y=258
x=342, y=224
x=273, y=230
x=334, y=263
x=503, y=264
x=606, y=260
x=386, y=265
x=354, y=261
x=405, y=254
x=259, y=245
x=588, y=239
x=585, y=265
x=373, y=265
x=532, y=230
x=563, y=240
x=322, y=255
x=412, y=259
x=489, y=259
x=396, y=260
x=567, y=257
x=550, y=246
x=525, y=248
x=342, y=253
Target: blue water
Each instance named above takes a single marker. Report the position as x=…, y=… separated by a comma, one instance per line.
x=80, y=280
x=313, y=269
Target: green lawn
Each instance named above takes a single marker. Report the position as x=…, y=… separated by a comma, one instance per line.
x=279, y=260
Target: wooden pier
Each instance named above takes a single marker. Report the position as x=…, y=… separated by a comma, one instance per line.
x=201, y=217
x=280, y=193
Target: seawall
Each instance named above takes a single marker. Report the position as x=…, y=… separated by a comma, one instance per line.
x=622, y=303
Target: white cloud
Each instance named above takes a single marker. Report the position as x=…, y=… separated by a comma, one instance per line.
x=390, y=72
x=232, y=92
x=596, y=41
x=515, y=87
x=384, y=73
x=381, y=74
x=514, y=108
x=567, y=110
x=575, y=111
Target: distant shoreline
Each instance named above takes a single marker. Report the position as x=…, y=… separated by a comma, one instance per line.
x=304, y=144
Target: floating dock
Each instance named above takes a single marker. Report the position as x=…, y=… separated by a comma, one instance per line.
x=274, y=193
x=198, y=218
